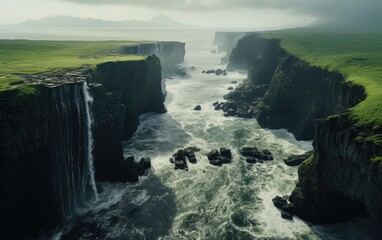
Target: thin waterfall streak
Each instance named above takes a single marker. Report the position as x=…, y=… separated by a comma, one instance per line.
x=72, y=147
x=88, y=102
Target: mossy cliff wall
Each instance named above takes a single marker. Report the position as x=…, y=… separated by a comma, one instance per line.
x=343, y=178
x=297, y=93
x=122, y=92
x=28, y=201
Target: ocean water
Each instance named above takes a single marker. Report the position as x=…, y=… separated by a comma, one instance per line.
x=207, y=202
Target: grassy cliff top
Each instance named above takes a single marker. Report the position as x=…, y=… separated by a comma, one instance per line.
x=30, y=57
x=358, y=56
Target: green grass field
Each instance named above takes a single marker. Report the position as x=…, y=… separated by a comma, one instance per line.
x=358, y=56
x=31, y=57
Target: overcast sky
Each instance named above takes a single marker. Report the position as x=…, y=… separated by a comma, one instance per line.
x=208, y=13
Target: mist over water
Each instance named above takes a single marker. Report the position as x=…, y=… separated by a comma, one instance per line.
x=207, y=202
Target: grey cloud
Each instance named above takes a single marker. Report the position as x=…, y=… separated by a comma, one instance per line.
x=345, y=9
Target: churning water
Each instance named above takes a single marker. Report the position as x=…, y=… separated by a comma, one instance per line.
x=207, y=202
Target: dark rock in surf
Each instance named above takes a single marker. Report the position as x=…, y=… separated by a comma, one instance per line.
x=286, y=215
x=210, y=72
x=296, y=160
x=254, y=152
x=225, y=152
x=224, y=160
x=216, y=162
x=230, y=88
x=234, y=82
x=215, y=104
x=213, y=155
x=251, y=160
x=191, y=149
x=219, y=72
x=283, y=204
x=198, y=108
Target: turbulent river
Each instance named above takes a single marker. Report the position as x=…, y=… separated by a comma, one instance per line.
x=207, y=202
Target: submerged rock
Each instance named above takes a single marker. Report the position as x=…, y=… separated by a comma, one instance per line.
x=230, y=88
x=210, y=71
x=219, y=72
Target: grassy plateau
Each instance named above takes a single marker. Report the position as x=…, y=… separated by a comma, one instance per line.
x=19, y=57
x=357, y=55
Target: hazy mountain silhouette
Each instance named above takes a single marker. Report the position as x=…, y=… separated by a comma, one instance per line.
x=160, y=21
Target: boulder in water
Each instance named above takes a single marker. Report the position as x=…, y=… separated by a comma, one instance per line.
x=213, y=155
x=254, y=152
x=219, y=72
x=225, y=152
x=198, y=108
x=210, y=71
x=286, y=215
x=230, y=88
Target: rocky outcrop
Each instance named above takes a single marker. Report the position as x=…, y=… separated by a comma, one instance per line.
x=342, y=179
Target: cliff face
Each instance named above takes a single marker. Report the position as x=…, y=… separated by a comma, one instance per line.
x=122, y=92
x=299, y=93
x=341, y=180
x=296, y=93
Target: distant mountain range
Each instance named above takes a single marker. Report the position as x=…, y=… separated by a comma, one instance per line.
x=160, y=21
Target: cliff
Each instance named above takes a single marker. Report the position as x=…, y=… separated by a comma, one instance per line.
x=342, y=179
x=122, y=92
x=33, y=122
x=296, y=92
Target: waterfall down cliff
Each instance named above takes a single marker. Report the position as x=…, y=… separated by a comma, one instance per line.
x=71, y=148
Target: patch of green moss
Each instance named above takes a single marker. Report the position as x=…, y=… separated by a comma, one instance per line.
x=307, y=162
x=377, y=159
x=333, y=117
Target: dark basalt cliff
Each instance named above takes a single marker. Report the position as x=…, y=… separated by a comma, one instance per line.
x=295, y=93
x=343, y=178
x=340, y=180
x=121, y=91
